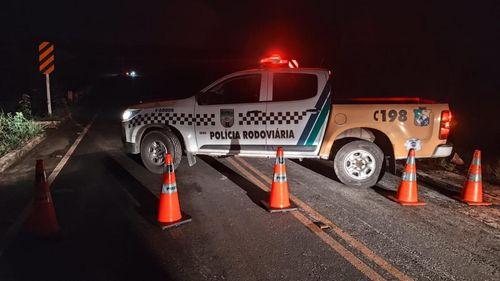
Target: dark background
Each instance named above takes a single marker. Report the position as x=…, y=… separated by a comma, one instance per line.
x=442, y=50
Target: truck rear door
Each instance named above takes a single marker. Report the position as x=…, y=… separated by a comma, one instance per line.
x=297, y=110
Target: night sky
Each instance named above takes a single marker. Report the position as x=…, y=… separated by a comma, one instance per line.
x=394, y=38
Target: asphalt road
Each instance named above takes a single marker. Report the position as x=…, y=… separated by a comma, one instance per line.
x=106, y=205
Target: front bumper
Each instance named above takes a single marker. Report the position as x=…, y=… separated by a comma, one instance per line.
x=131, y=147
x=443, y=150
x=128, y=147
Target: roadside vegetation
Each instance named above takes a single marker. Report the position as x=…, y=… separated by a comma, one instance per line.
x=18, y=127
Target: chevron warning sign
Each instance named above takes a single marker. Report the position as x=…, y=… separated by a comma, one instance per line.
x=46, y=61
x=46, y=57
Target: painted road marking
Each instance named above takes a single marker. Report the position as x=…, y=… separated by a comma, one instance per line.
x=14, y=229
x=341, y=233
x=336, y=246
x=69, y=153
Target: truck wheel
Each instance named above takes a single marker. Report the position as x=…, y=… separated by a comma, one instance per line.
x=358, y=163
x=154, y=147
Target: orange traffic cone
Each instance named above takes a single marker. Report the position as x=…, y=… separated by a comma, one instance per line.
x=472, y=194
x=279, y=200
x=407, y=194
x=169, y=214
x=42, y=220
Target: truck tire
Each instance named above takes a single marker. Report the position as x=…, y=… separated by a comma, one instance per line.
x=154, y=147
x=359, y=163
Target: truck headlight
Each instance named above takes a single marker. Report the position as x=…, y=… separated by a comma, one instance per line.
x=129, y=114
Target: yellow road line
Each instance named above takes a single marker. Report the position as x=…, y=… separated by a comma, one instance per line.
x=336, y=246
x=341, y=233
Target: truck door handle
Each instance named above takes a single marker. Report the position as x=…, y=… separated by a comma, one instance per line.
x=313, y=110
x=254, y=111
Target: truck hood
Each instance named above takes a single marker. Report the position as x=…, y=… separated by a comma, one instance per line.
x=153, y=103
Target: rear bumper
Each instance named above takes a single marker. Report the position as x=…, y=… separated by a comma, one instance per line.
x=443, y=150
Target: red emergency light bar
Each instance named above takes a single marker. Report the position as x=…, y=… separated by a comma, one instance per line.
x=275, y=60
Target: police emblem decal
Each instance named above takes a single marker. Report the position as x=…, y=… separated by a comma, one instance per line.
x=422, y=117
x=227, y=117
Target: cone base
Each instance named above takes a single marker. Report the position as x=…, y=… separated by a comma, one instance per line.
x=290, y=208
x=403, y=203
x=43, y=225
x=53, y=236
x=184, y=219
x=473, y=203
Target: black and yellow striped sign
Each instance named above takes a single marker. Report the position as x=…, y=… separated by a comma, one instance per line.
x=46, y=57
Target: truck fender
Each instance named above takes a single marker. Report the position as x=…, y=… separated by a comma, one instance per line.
x=369, y=134
x=140, y=133
x=359, y=133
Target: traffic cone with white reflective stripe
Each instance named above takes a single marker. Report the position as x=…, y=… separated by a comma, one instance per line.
x=407, y=194
x=169, y=211
x=42, y=221
x=279, y=198
x=472, y=194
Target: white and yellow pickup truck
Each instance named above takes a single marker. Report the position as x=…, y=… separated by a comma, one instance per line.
x=251, y=113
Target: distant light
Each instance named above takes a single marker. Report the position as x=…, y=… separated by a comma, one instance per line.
x=132, y=73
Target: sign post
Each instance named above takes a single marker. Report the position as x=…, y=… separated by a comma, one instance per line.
x=46, y=61
x=47, y=85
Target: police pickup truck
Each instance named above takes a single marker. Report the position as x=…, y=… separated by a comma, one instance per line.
x=253, y=112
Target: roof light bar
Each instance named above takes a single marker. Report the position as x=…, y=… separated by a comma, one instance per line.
x=274, y=59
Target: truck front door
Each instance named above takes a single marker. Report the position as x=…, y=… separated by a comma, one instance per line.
x=235, y=107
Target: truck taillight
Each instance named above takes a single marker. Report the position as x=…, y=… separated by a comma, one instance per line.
x=444, y=127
